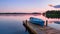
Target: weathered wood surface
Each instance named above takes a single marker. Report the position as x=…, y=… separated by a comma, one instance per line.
x=36, y=29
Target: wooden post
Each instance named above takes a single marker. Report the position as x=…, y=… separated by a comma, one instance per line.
x=46, y=23
x=26, y=22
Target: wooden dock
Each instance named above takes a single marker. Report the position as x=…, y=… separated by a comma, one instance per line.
x=37, y=29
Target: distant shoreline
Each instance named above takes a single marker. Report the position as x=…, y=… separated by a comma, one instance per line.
x=20, y=13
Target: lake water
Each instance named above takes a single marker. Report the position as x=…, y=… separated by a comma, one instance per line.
x=12, y=24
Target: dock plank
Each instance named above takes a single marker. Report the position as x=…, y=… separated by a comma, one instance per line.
x=37, y=29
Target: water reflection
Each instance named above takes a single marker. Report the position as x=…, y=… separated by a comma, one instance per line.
x=11, y=25
x=55, y=26
x=57, y=22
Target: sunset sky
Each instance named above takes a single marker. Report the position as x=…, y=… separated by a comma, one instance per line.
x=28, y=6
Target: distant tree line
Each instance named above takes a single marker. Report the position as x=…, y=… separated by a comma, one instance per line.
x=53, y=14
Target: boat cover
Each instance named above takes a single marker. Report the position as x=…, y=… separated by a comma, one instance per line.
x=36, y=21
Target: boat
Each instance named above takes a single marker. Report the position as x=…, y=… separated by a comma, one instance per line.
x=36, y=21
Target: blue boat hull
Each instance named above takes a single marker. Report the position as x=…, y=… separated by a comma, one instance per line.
x=36, y=21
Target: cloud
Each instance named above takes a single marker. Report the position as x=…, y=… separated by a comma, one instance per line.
x=50, y=5
x=55, y=6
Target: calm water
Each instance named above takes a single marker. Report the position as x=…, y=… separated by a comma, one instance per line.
x=12, y=24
